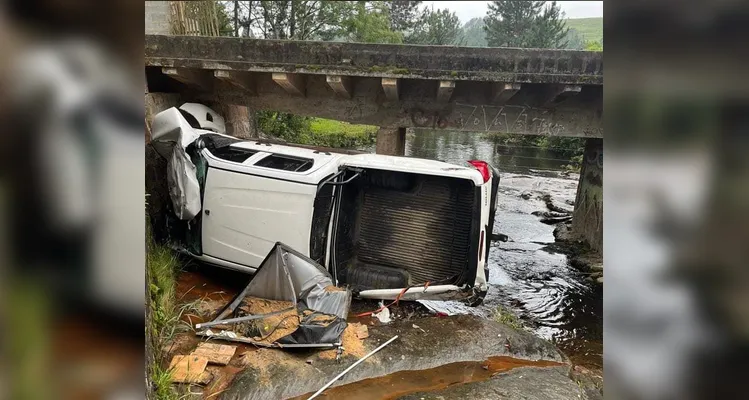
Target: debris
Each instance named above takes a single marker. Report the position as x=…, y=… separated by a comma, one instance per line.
x=383, y=316
x=322, y=389
x=289, y=302
x=351, y=344
x=362, y=332
x=309, y=361
x=419, y=328
x=219, y=354
x=189, y=369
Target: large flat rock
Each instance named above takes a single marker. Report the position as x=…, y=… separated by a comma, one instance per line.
x=280, y=374
x=527, y=383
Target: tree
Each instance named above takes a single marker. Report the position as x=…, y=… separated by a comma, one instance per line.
x=534, y=24
x=368, y=22
x=574, y=40
x=404, y=15
x=440, y=27
x=474, y=34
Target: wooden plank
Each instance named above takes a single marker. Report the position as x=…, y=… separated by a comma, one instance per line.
x=559, y=93
x=502, y=92
x=193, y=77
x=215, y=353
x=292, y=83
x=240, y=79
x=340, y=84
x=189, y=369
x=445, y=91
x=390, y=87
x=362, y=332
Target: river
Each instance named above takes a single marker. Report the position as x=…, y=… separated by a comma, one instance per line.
x=551, y=297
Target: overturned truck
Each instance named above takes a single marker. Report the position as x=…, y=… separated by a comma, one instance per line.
x=386, y=227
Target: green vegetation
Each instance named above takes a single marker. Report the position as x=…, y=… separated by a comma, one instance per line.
x=584, y=33
x=315, y=131
x=568, y=146
x=473, y=33
x=504, y=316
x=163, y=315
x=437, y=27
x=534, y=24
x=332, y=133
x=590, y=29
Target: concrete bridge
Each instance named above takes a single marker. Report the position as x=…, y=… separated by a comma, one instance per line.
x=520, y=91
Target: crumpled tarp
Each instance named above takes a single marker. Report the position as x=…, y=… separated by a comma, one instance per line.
x=287, y=275
x=171, y=134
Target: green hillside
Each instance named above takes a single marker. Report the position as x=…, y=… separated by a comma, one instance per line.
x=591, y=29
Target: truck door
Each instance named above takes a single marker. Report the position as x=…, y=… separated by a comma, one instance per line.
x=246, y=213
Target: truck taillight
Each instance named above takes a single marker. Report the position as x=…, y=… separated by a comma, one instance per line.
x=483, y=167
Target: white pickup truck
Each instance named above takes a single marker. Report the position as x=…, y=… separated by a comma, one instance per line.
x=379, y=224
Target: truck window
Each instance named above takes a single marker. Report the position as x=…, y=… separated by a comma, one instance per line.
x=234, y=154
x=286, y=163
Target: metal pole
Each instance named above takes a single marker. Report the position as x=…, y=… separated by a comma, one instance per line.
x=351, y=367
x=240, y=319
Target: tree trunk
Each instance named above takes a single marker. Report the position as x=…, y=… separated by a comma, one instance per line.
x=236, y=18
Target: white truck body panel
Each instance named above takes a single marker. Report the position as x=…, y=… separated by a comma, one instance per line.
x=245, y=215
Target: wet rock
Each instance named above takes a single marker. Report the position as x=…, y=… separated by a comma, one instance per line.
x=531, y=383
x=552, y=206
x=447, y=340
x=526, y=195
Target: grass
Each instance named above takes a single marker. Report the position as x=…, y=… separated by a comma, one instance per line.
x=332, y=133
x=591, y=29
x=163, y=317
x=504, y=316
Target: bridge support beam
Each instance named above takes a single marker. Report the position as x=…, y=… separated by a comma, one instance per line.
x=391, y=141
x=587, y=218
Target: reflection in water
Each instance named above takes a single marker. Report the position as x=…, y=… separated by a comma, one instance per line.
x=550, y=295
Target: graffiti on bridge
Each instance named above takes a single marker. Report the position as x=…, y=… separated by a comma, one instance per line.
x=509, y=118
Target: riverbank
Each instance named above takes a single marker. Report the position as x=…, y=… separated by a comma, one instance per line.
x=316, y=131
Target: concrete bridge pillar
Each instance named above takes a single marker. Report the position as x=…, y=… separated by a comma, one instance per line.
x=239, y=119
x=587, y=218
x=391, y=141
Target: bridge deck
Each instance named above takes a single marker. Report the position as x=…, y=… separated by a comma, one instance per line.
x=526, y=91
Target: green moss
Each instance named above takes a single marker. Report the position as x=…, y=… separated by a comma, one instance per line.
x=377, y=68
x=453, y=73
x=400, y=71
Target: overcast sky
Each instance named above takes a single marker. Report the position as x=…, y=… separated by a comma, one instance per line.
x=471, y=9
